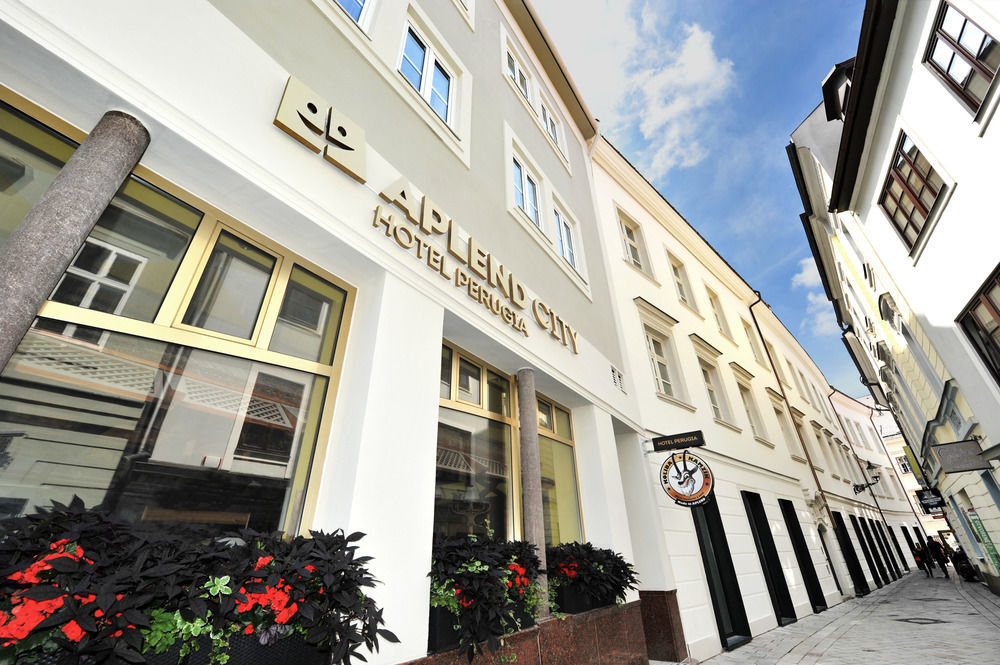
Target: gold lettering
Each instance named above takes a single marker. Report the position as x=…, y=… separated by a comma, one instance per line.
x=507, y=314
x=461, y=277
x=454, y=245
x=385, y=220
x=435, y=261
x=539, y=306
x=345, y=146
x=302, y=114
x=519, y=325
x=499, y=277
x=432, y=219
x=478, y=258
x=518, y=294
x=401, y=232
x=572, y=339
x=421, y=246
x=401, y=194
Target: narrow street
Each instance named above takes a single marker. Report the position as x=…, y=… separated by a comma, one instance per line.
x=915, y=620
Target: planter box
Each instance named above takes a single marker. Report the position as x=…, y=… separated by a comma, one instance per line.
x=574, y=599
x=442, y=636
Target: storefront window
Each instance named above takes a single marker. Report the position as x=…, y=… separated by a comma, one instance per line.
x=119, y=396
x=560, y=497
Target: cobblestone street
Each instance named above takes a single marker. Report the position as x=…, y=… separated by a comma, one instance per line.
x=913, y=621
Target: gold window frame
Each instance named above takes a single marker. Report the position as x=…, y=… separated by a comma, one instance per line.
x=166, y=325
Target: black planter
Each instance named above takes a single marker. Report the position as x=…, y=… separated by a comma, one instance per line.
x=441, y=634
x=573, y=599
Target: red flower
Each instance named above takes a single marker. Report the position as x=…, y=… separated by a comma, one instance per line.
x=263, y=561
x=73, y=631
x=311, y=568
x=24, y=616
x=59, y=544
x=248, y=630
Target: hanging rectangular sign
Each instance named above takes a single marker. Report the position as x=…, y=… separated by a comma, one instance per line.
x=930, y=499
x=678, y=441
x=960, y=456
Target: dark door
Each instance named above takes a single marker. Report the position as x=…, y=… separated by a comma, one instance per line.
x=730, y=615
x=890, y=556
x=867, y=548
x=861, y=587
x=909, y=541
x=813, y=588
x=770, y=563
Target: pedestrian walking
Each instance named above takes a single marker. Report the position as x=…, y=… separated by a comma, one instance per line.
x=923, y=559
x=937, y=552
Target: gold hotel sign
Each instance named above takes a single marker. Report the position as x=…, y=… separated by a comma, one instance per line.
x=465, y=262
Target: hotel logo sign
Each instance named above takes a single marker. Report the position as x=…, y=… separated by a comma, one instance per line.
x=687, y=479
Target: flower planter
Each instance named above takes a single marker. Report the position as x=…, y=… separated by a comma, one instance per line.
x=574, y=599
x=243, y=650
x=441, y=634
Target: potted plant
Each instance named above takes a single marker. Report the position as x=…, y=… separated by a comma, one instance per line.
x=80, y=585
x=481, y=590
x=583, y=577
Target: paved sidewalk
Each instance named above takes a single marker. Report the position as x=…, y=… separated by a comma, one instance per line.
x=913, y=621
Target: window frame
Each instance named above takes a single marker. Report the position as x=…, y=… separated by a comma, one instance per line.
x=632, y=239
x=894, y=176
x=432, y=62
x=521, y=187
x=363, y=16
x=758, y=353
x=751, y=410
x=518, y=74
x=715, y=305
x=712, y=380
x=664, y=359
x=958, y=50
x=682, y=285
x=565, y=238
x=987, y=346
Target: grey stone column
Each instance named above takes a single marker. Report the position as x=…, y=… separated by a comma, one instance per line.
x=42, y=246
x=531, y=477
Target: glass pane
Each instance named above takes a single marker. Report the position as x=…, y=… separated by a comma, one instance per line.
x=978, y=86
x=440, y=89
x=156, y=431
x=544, y=415
x=71, y=290
x=990, y=55
x=353, y=8
x=445, y=392
x=532, y=200
x=106, y=299
x=518, y=191
x=497, y=393
x=468, y=382
x=560, y=500
x=511, y=66
x=563, y=427
x=952, y=23
x=942, y=54
x=232, y=288
x=310, y=317
x=972, y=38
x=959, y=70
x=30, y=157
x=412, y=64
x=473, y=475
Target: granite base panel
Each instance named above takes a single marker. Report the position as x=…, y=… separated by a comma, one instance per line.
x=661, y=623
x=605, y=636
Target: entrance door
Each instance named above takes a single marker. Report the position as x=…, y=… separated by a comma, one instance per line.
x=861, y=587
x=878, y=573
x=770, y=563
x=730, y=615
x=813, y=588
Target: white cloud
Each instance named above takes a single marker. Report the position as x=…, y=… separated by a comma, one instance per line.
x=808, y=274
x=820, y=319
x=644, y=76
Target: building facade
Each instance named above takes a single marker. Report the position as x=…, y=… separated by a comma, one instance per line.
x=891, y=172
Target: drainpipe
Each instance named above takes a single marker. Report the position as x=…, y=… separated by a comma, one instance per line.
x=788, y=406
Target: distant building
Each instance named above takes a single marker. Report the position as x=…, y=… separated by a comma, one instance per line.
x=895, y=170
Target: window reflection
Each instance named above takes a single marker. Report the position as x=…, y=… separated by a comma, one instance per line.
x=560, y=499
x=153, y=430
x=309, y=319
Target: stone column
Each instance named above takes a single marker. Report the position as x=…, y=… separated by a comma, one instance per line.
x=531, y=477
x=42, y=246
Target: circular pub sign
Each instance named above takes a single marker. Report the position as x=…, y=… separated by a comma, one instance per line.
x=686, y=479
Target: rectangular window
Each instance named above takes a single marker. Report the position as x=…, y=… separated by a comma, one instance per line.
x=354, y=8
x=632, y=239
x=550, y=124
x=680, y=280
x=981, y=323
x=911, y=188
x=565, y=231
x=516, y=73
x=526, y=193
x=963, y=55
x=657, y=346
x=750, y=408
x=803, y=388
x=423, y=69
x=711, y=377
x=720, y=318
x=754, y=344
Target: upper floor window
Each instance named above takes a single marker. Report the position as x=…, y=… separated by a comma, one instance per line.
x=635, y=251
x=911, y=188
x=716, y=397
x=517, y=74
x=659, y=359
x=981, y=322
x=904, y=464
x=550, y=123
x=750, y=408
x=565, y=230
x=720, y=318
x=423, y=69
x=526, y=192
x=963, y=55
x=754, y=344
x=355, y=8
x=680, y=280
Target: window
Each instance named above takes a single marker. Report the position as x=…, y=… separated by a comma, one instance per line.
x=565, y=230
x=777, y=361
x=656, y=344
x=635, y=251
x=750, y=408
x=904, y=464
x=754, y=344
x=526, y=193
x=963, y=56
x=710, y=374
x=720, y=318
x=680, y=280
x=803, y=387
x=354, y=8
x=786, y=432
x=516, y=73
x=159, y=379
x=550, y=123
x=422, y=68
x=910, y=190
x=981, y=323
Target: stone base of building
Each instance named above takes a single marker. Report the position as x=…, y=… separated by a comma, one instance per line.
x=605, y=636
x=661, y=624
x=992, y=581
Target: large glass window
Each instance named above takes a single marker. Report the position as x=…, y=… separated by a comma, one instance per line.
x=560, y=496
x=910, y=190
x=963, y=55
x=120, y=396
x=981, y=322
x=422, y=67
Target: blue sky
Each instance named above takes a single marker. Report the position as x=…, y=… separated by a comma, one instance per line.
x=702, y=96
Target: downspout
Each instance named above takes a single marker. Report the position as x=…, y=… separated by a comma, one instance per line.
x=788, y=407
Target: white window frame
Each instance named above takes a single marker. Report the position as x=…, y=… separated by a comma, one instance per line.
x=758, y=353
x=517, y=74
x=660, y=362
x=750, y=408
x=713, y=388
x=551, y=124
x=565, y=235
x=363, y=17
x=787, y=429
x=633, y=245
x=681, y=282
x=432, y=60
x=720, y=316
x=521, y=186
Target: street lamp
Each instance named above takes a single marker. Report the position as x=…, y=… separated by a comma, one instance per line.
x=859, y=488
